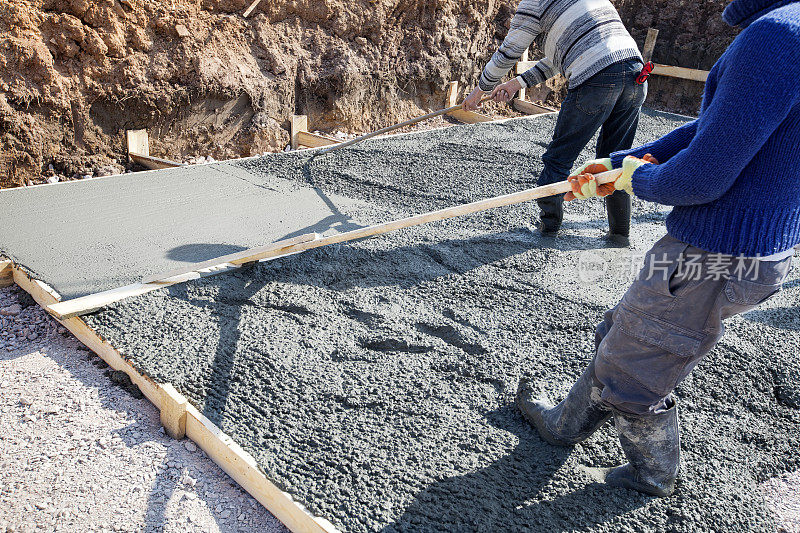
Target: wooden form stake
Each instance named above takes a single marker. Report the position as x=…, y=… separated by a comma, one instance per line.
x=668, y=70
x=520, y=103
x=649, y=44
x=462, y=115
x=301, y=138
x=251, y=8
x=522, y=92
x=138, y=146
x=180, y=419
x=93, y=302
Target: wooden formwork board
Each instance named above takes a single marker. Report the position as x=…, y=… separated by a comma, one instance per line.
x=6, y=274
x=181, y=419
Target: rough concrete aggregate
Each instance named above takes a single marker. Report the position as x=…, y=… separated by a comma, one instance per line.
x=374, y=380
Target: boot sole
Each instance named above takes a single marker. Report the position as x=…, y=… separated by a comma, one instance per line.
x=650, y=490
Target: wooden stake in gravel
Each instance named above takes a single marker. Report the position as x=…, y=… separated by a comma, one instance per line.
x=387, y=129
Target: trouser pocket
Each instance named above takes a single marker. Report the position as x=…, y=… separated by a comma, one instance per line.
x=642, y=359
x=742, y=295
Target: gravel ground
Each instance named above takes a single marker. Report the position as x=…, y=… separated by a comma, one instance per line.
x=81, y=453
x=374, y=380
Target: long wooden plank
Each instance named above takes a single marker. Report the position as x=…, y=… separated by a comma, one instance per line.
x=403, y=124
x=153, y=163
x=87, y=304
x=44, y=296
x=93, y=302
x=469, y=117
x=6, y=274
x=236, y=462
x=238, y=258
x=661, y=70
x=241, y=466
x=681, y=72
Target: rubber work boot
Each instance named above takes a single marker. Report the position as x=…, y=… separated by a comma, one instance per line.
x=574, y=419
x=552, y=213
x=652, y=447
x=618, y=207
x=618, y=241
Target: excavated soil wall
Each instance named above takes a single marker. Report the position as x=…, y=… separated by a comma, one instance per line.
x=374, y=381
x=203, y=80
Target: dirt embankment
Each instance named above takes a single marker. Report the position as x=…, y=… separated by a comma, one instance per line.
x=75, y=74
x=202, y=79
x=691, y=34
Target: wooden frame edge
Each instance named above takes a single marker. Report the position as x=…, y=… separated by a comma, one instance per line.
x=6, y=273
x=462, y=115
x=189, y=422
x=301, y=137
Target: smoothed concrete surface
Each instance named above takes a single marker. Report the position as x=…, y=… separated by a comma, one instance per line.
x=374, y=381
x=93, y=235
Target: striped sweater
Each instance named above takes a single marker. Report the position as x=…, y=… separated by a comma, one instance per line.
x=579, y=38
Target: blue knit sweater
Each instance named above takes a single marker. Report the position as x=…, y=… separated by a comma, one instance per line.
x=733, y=174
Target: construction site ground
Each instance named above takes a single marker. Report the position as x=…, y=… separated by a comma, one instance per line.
x=374, y=380
x=81, y=453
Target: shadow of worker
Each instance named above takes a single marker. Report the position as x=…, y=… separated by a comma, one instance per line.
x=199, y=252
x=226, y=309
x=515, y=493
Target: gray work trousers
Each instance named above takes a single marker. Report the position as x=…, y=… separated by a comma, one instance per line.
x=671, y=317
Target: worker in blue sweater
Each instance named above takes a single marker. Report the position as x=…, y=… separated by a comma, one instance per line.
x=732, y=178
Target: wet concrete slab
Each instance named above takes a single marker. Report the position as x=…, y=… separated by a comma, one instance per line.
x=89, y=236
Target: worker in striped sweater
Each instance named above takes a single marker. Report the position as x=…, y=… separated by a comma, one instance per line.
x=731, y=176
x=585, y=41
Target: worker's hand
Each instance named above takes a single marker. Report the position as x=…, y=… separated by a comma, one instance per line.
x=506, y=91
x=473, y=100
x=583, y=183
x=629, y=166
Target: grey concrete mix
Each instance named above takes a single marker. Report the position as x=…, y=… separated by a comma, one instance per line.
x=374, y=380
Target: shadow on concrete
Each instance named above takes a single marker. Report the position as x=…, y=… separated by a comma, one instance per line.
x=337, y=220
x=228, y=311
x=502, y=496
x=199, y=252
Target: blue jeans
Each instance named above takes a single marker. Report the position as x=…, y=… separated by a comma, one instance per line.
x=609, y=101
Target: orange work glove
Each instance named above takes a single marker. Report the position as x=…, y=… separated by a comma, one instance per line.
x=584, y=185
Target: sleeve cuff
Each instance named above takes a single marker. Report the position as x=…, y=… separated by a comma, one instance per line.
x=521, y=81
x=643, y=183
x=617, y=157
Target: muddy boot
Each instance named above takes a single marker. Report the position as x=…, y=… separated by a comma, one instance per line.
x=552, y=213
x=617, y=241
x=618, y=206
x=571, y=421
x=652, y=446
